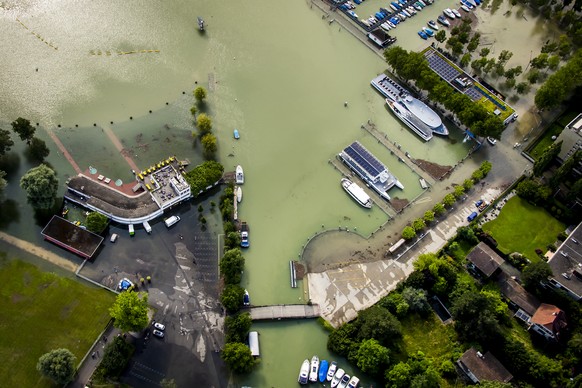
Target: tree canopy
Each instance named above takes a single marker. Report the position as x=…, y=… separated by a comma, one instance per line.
x=560, y=85
x=5, y=141
x=237, y=327
x=232, y=265
x=130, y=311
x=536, y=272
x=376, y=322
x=23, y=128
x=546, y=158
x=372, y=357
x=475, y=318
x=37, y=149
x=238, y=357
x=232, y=297
x=209, y=145
x=58, y=365
x=204, y=124
x=203, y=176
x=41, y=185
x=200, y=93
x=96, y=222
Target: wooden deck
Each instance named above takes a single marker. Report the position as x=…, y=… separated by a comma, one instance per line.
x=284, y=311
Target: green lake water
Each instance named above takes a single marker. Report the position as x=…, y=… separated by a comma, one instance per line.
x=275, y=70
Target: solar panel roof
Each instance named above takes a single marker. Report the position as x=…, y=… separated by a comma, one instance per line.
x=361, y=156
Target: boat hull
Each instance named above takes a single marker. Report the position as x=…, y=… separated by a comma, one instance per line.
x=239, y=175
x=394, y=107
x=357, y=193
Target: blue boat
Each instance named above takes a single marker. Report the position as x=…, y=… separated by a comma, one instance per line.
x=236, y=134
x=396, y=5
x=323, y=365
x=423, y=35
x=428, y=31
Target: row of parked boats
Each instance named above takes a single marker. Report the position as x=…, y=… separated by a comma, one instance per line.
x=324, y=371
x=451, y=13
x=387, y=19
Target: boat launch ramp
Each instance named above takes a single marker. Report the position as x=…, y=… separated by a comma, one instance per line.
x=284, y=311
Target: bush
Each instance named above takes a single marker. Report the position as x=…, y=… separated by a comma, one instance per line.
x=117, y=355
x=204, y=175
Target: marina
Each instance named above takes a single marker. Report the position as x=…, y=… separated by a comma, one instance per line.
x=369, y=169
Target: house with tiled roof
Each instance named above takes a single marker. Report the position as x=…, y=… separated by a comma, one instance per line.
x=548, y=321
x=484, y=259
x=480, y=367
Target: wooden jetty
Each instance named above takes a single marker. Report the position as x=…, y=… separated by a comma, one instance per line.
x=284, y=311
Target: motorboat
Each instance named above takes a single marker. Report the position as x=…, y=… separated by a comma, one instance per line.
x=246, y=299
x=417, y=7
x=385, y=26
x=406, y=13
x=353, y=14
x=395, y=20
x=393, y=7
x=391, y=24
x=432, y=24
x=402, y=16
x=200, y=23
x=456, y=13
x=465, y=8
x=314, y=368
x=239, y=175
x=331, y=371
x=236, y=134
x=449, y=13
x=344, y=381
x=428, y=31
x=357, y=193
x=365, y=22
x=337, y=377
x=238, y=192
x=353, y=383
x=323, y=370
x=491, y=140
x=422, y=3
x=423, y=34
x=467, y=4
x=411, y=10
x=442, y=20
x=304, y=373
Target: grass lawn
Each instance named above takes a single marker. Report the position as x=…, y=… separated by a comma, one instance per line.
x=522, y=227
x=546, y=140
x=428, y=335
x=40, y=311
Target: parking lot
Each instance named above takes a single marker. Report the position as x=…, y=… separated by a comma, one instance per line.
x=183, y=265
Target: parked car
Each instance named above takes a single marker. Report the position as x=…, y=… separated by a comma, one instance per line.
x=159, y=326
x=479, y=203
x=491, y=140
x=472, y=216
x=158, y=333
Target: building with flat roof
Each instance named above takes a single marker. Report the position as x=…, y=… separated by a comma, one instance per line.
x=571, y=138
x=566, y=265
x=479, y=367
x=72, y=237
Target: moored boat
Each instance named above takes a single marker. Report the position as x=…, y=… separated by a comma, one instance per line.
x=344, y=381
x=314, y=369
x=337, y=377
x=200, y=23
x=239, y=175
x=428, y=31
x=449, y=13
x=465, y=8
x=323, y=370
x=456, y=13
x=304, y=373
x=246, y=299
x=357, y=193
x=331, y=371
x=385, y=26
x=442, y=20
x=353, y=383
x=423, y=35
x=432, y=24
x=238, y=194
x=236, y=134
x=411, y=121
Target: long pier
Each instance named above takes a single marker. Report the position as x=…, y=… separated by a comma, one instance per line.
x=284, y=311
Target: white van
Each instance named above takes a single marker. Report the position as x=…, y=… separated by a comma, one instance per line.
x=171, y=220
x=147, y=227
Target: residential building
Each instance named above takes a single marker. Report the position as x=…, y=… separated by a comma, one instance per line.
x=571, y=138
x=484, y=260
x=566, y=265
x=548, y=321
x=478, y=367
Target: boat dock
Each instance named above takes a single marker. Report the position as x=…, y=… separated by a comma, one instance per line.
x=284, y=311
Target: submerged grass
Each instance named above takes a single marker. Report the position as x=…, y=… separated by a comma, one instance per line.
x=39, y=312
x=522, y=227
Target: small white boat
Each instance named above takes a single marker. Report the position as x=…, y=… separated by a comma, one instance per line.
x=391, y=24
x=449, y=13
x=357, y=193
x=456, y=13
x=304, y=373
x=331, y=371
x=353, y=383
x=465, y=8
x=238, y=192
x=344, y=381
x=406, y=13
x=385, y=26
x=313, y=372
x=239, y=175
x=236, y=134
x=246, y=299
x=337, y=377
x=432, y=24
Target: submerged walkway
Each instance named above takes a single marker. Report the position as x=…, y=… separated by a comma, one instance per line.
x=284, y=311
x=120, y=148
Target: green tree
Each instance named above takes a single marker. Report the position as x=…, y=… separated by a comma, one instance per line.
x=449, y=200
x=522, y=88
x=5, y=141
x=418, y=224
x=203, y=123
x=408, y=233
x=232, y=240
x=494, y=384
x=533, y=191
x=194, y=111
x=466, y=233
x=209, y=145
x=378, y=323
x=23, y=128
x=533, y=76
x=130, y=311
x=199, y=94
x=237, y=327
x=535, y=273
x=232, y=265
x=513, y=72
x=465, y=60
x=41, y=185
x=204, y=175
x=553, y=62
x=459, y=191
x=416, y=299
x=540, y=62
x=441, y=36
x=96, y=222
x=341, y=339
x=477, y=175
x=115, y=358
x=395, y=303
x=37, y=149
x=564, y=46
x=546, y=158
x=238, y=357
x=484, y=52
x=505, y=56
x=475, y=318
x=428, y=216
x=3, y=182
x=468, y=184
x=485, y=167
x=372, y=357
x=232, y=297
x=439, y=209
x=399, y=376
x=58, y=365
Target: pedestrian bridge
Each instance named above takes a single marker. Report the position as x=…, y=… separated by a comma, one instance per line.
x=284, y=311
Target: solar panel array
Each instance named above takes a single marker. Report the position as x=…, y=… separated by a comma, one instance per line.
x=474, y=93
x=441, y=67
x=361, y=156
